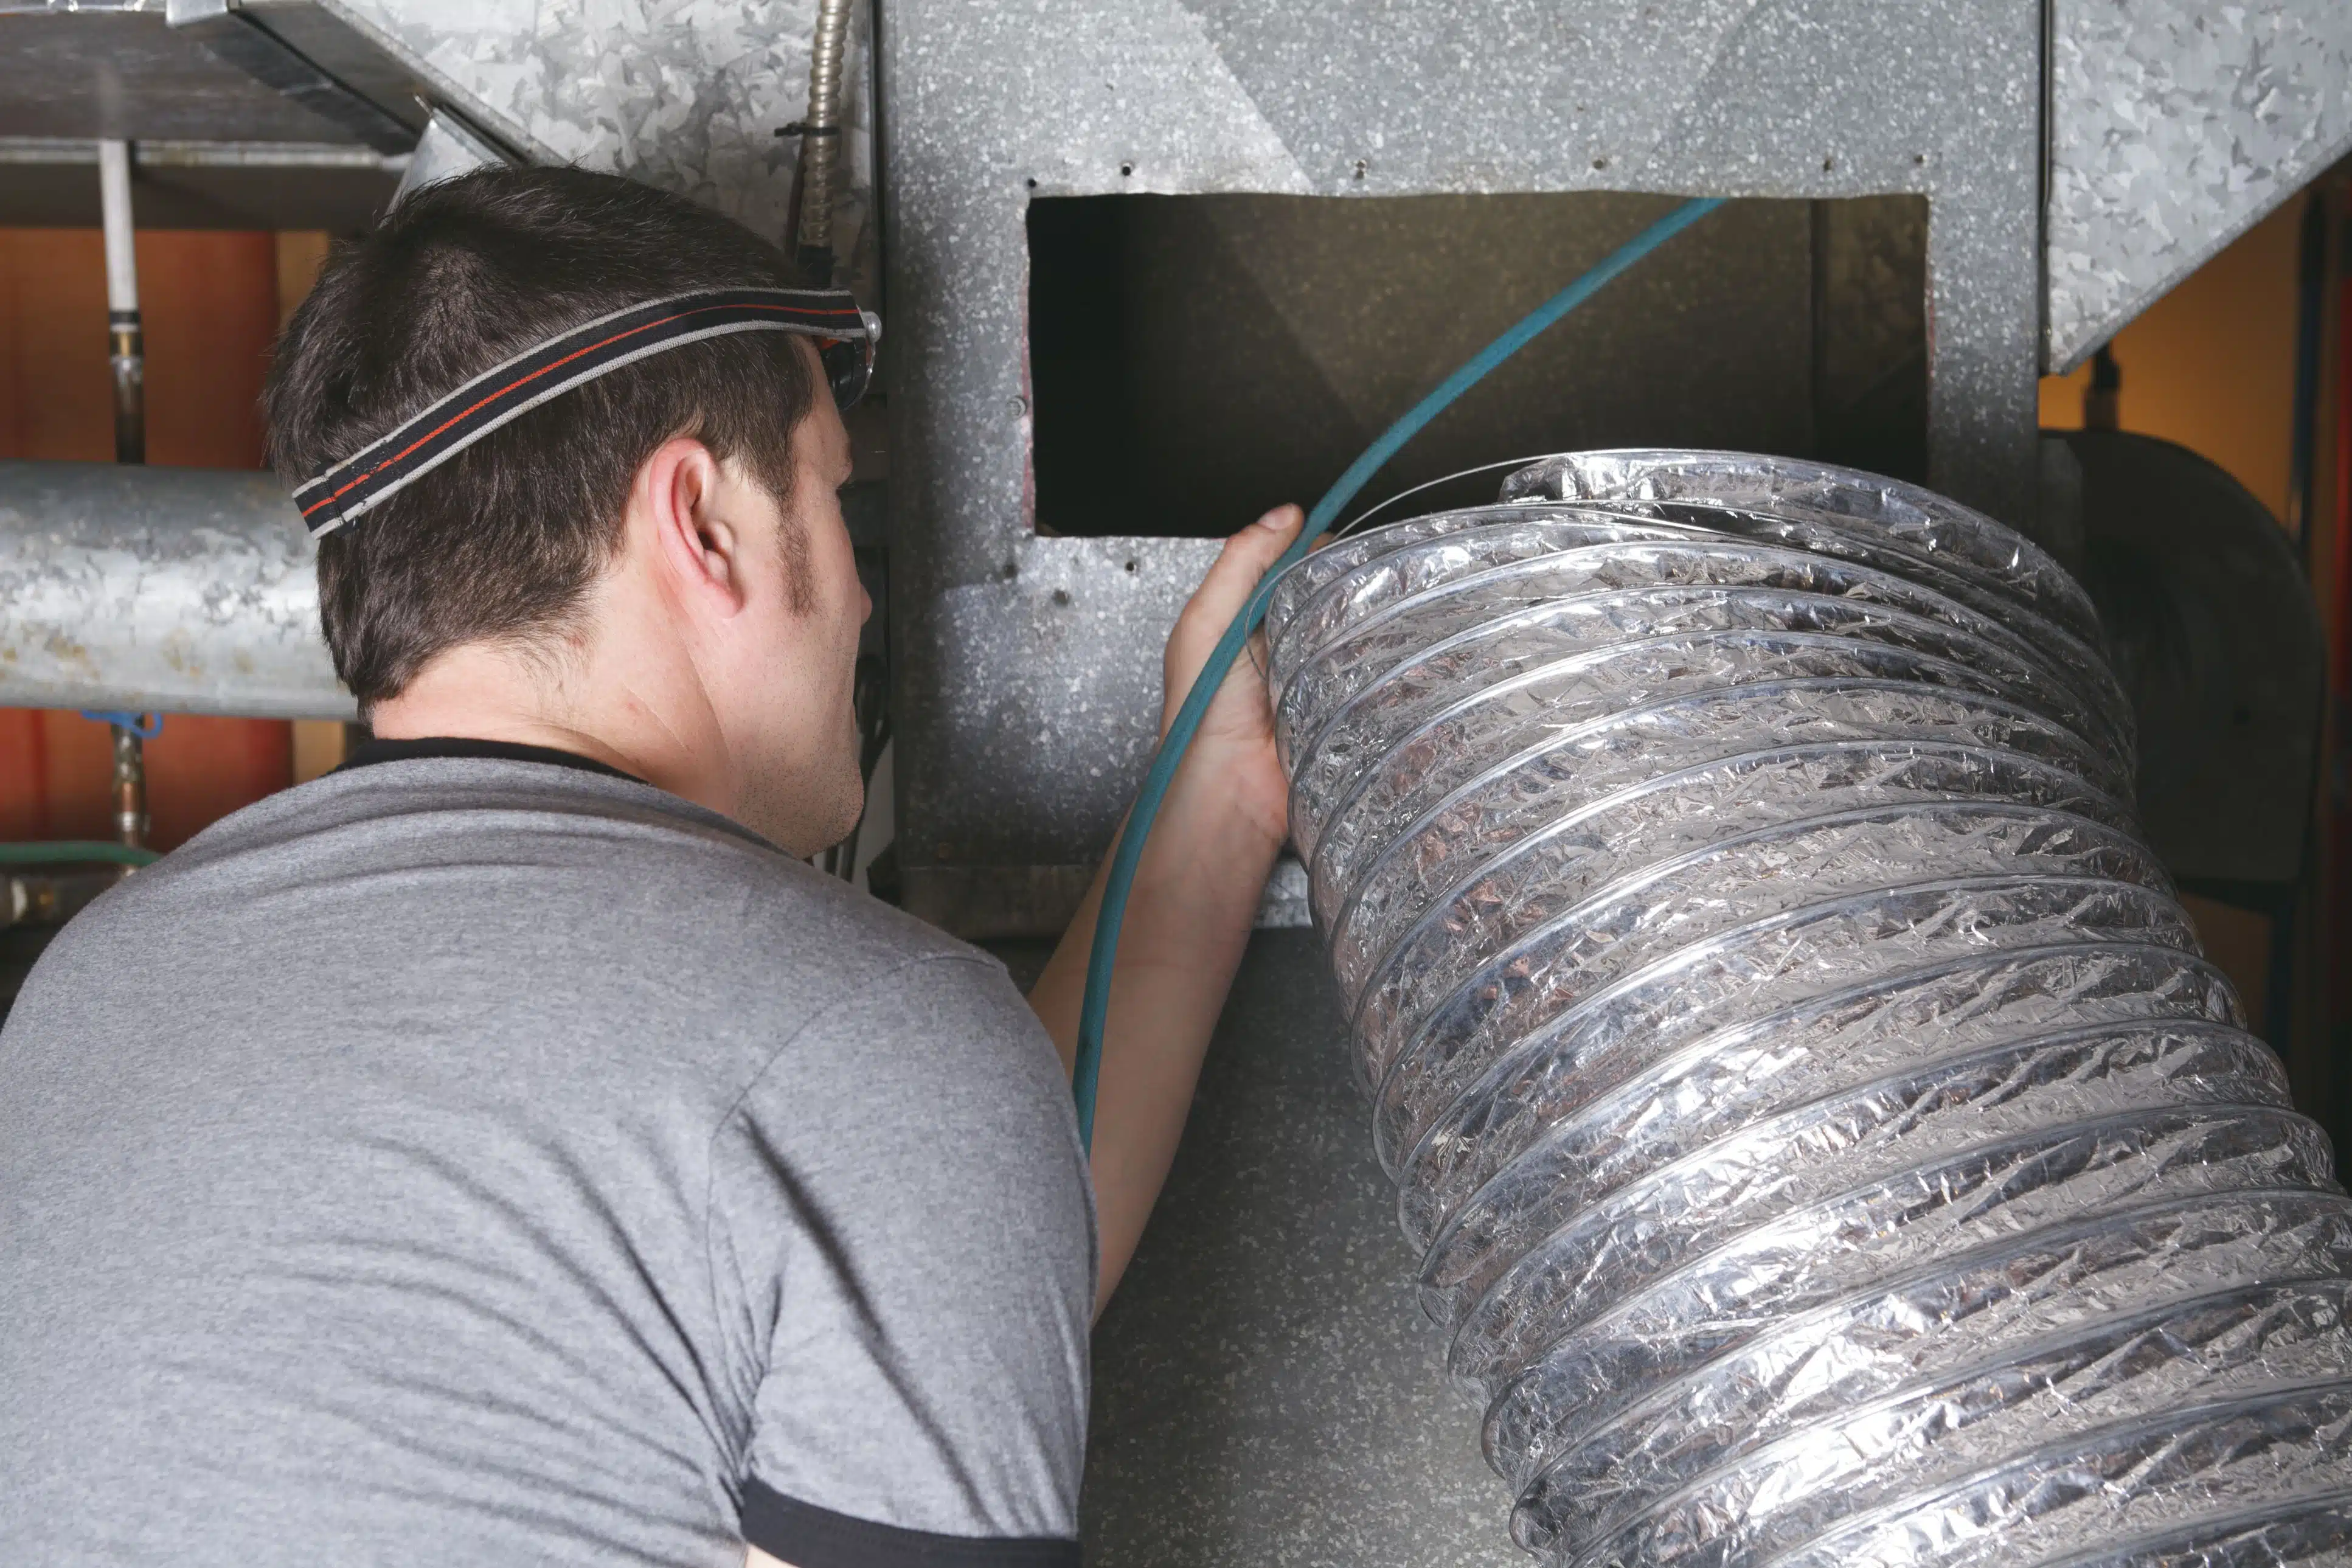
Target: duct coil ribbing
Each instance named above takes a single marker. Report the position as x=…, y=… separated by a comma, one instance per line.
x=1827, y=1145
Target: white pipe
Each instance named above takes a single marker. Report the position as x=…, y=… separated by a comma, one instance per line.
x=114, y=200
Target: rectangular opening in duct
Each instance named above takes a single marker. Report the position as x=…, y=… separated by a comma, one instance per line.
x=1194, y=360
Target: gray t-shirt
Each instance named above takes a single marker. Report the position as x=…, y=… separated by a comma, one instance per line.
x=491, y=1161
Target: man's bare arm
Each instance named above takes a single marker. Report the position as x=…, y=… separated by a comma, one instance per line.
x=1188, y=917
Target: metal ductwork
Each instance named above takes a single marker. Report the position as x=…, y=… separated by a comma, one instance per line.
x=1826, y=1144
x=185, y=590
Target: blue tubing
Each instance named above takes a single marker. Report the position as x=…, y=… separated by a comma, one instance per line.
x=1096, y=1008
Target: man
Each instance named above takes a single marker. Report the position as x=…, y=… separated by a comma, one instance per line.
x=505, y=1149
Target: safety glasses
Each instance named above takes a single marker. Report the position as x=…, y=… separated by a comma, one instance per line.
x=849, y=362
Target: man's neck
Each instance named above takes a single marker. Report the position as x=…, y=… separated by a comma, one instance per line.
x=377, y=749
x=487, y=694
x=514, y=730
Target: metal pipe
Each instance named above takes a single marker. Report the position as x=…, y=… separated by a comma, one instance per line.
x=48, y=898
x=162, y=590
x=820, y=134
x=127, y=356
x=127, y=353
x=131, y=821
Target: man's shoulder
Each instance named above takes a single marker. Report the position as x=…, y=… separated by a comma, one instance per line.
x=605, y=944
x=579, y=870
x=837, y=933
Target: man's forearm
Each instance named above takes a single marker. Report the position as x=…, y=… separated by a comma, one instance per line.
x=1196, y=894
x=1189, y=914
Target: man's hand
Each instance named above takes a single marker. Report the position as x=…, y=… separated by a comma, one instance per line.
x=1188, y=918
x=1235, y=744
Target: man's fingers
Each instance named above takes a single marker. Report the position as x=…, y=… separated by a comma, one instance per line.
x=1220, y=597
x=1244, y=560
x=1271, y=534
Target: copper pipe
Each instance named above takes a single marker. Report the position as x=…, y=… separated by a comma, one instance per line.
x=127, y=356
x=130, y=789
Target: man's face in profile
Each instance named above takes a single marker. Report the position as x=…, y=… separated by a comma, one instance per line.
x=791, y=714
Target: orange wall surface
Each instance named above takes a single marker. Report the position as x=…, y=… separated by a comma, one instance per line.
x=2212, y=364
x=211, y=306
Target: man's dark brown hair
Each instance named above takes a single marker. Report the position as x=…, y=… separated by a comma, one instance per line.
x=501, y=542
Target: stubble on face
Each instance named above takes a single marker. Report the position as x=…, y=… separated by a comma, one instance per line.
x=815, y=795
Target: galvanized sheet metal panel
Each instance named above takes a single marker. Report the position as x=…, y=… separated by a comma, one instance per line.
x=1022, y=740
x=683, y=94
x=2175, y=125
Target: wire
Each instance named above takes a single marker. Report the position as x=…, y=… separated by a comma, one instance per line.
x=72, y=851
x=1379, y=507
x=1101, y=960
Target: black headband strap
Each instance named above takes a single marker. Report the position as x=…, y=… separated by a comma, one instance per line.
x=434, y=435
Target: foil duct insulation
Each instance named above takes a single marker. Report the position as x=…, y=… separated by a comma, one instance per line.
x=1826, y=1145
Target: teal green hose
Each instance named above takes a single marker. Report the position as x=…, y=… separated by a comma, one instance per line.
x=1096, y=1008
x=74, y=852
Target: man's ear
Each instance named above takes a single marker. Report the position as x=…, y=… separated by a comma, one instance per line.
x=679, y=496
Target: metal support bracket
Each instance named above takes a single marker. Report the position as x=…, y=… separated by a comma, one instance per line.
x=239, y=34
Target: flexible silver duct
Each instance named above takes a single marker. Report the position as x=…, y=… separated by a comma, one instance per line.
x=1828, y=1146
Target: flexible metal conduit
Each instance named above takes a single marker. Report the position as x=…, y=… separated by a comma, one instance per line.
x=1827, y=1145
x=822, y=134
